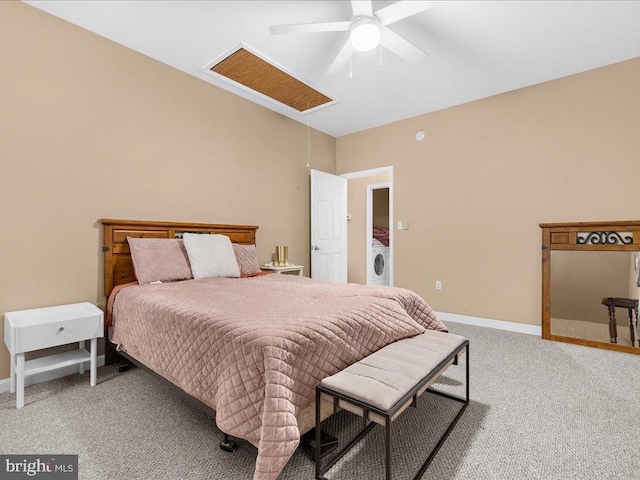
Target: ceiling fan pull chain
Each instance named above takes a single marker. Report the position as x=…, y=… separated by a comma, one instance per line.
x=350, y=65
x=380, y=55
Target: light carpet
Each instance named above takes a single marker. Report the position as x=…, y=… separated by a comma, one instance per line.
x=539, y=410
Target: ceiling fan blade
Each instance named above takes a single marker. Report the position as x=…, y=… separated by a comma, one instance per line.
x=402, y=9
x=362, y=8
x=341, y=59
x=311, y=27
x=401, y=47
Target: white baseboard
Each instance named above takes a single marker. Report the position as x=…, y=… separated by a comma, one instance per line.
x=51, y=375
x=490, y=323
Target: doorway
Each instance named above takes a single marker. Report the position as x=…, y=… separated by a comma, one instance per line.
x=378, y=233
x=364, y=189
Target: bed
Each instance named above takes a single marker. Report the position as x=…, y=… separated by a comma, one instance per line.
x=252, y=349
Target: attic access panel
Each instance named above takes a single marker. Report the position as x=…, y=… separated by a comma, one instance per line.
x=255, y=73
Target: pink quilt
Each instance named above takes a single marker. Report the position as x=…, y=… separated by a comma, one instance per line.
x=255, y=348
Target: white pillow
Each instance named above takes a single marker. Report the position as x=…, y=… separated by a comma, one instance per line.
x=211, y=255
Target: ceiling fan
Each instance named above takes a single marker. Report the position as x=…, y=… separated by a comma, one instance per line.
x=368, y=29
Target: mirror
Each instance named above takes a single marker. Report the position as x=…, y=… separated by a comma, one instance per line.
x=590, y=284
x=582, y=284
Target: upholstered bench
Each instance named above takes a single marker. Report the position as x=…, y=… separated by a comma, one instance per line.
x=381, y=386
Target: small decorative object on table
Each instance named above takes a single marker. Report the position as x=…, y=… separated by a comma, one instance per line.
x=281, y=257
x=29, y=330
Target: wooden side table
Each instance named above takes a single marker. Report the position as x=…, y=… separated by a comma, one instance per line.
x=289, y=269
x=632, y=306
x=29, y=330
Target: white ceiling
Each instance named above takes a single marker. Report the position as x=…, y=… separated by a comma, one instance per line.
x=476, y=48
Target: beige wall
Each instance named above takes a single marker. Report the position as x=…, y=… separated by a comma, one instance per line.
x=357, y=226
x=91, y=129
x=489, y=171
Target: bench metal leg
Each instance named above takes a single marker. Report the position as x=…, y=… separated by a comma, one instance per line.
x=467, y=355
x=318, y=431
x=465, y=403
x=320, y=470
x=388, y=445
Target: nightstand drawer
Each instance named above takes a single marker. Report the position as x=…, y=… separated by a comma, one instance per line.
x=56, y=333
x=35, y=329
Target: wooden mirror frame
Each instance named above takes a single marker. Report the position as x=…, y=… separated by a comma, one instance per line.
x=584, y=236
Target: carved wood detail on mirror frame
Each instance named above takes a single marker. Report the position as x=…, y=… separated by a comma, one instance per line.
x=590, y=271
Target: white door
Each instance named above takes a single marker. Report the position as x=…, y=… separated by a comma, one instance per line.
x=328, y=227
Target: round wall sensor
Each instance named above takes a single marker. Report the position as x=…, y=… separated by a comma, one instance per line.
x=420, y=136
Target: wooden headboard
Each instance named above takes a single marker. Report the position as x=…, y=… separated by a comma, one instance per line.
x=118, y=268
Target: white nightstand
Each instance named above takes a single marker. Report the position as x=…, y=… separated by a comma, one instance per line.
x=289, y=269
x=29, y=330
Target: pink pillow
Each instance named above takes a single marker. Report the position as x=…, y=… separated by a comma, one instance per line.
x=159, y=259
x=247, y=258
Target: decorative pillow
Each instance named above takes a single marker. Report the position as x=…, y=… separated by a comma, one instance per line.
x=159, y=259
x=211, y=255
x=247, y=258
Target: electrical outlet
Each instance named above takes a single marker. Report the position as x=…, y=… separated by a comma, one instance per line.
x=438, y=285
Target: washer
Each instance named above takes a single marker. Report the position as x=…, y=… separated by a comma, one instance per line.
x=379, y=265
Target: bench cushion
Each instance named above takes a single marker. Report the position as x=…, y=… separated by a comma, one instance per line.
x=385, y=376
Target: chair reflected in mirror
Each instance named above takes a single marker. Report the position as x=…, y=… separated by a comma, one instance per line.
x=632, y=307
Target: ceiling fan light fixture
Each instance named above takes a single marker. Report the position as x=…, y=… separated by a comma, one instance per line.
x=365, y=34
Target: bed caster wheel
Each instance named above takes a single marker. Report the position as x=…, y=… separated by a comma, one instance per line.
x=123, y=368
x=228, y=445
